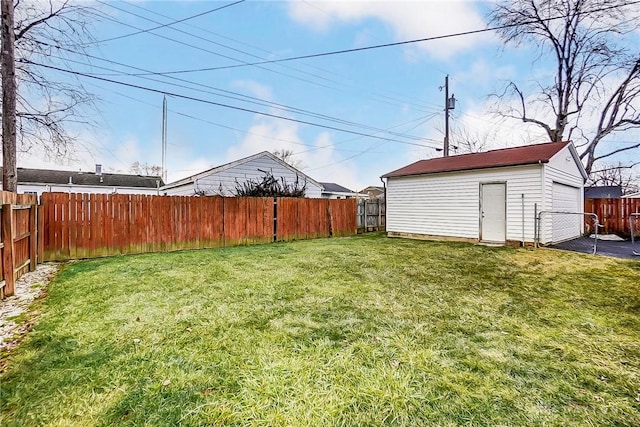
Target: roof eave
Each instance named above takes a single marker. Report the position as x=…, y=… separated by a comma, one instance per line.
x=391, y=175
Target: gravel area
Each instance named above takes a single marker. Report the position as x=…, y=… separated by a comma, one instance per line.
x=28, y=288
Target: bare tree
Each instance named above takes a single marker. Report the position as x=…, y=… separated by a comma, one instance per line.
x=7, y=55
x=596, y=70
x=286, y=156
x=616, y=174
x=51, y=108
x=466, y=140
x=145, y=169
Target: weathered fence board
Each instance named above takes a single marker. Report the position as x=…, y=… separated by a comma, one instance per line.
x=94, y=225
x=613, y=214
x=371, y=215
x=18, y=238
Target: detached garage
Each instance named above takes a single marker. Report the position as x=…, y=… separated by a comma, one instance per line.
x=488, y=197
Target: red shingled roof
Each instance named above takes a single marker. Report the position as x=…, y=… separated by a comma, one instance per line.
x=527, y=155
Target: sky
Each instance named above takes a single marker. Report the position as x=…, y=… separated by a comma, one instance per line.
x=348, y=118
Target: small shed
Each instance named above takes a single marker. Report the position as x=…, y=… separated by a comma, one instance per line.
x=222, y=180
x=487, y=197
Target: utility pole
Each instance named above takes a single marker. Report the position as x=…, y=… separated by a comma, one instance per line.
x=449, y=104
x=164, y=139
x=7, y=55
x=446, y=116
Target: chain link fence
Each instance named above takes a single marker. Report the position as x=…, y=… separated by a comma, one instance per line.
x=634, y=230
x=572, y=231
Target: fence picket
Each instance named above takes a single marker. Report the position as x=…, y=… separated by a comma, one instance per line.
x=613, y=214
x=93, y=225
x=18, y=238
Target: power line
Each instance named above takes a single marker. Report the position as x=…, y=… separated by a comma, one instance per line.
x=379, y=46
x=222, y=125
x=422, y=106
x=340, y=82
x=422, y=121
x=167, y=24
x=374, y=146
x=204, y=101
x=252, y=99
x=202, y=48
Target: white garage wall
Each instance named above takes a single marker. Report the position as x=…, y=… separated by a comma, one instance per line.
x=561, y=169
x=447, y=204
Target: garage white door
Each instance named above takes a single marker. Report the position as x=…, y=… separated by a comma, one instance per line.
x=566, y=199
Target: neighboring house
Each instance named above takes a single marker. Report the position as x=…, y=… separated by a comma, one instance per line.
x=331, y=190
x=373, y=192
x=488, y=197
x=40, y=181
x=635, y=195
x=603, y=192
x=222, y=180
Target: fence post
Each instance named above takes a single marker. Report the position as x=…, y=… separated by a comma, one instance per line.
x=536, y=230
x=275, y=219
x=40, y=233
x=7, y=253
x=33, y=237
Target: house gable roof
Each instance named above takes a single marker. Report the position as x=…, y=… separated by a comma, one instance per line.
x=226, y=166
x=372, y=188
x=61, y=177
x=332, y=187
x=515, y=156
x=603, y=192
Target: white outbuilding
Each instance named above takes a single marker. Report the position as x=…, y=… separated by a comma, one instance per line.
x=489, y=197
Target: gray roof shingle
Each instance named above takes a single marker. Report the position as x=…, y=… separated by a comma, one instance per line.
x=47, y=176
x=332, y=187
x=603, y=192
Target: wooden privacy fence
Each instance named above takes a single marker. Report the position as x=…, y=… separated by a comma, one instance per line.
x=94, y=225
x=18, y=238
x=371, y=215
x=613, y=214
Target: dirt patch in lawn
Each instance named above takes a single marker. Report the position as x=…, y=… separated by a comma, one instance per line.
x=15, y=316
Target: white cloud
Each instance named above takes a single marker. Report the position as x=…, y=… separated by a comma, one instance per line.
x=408, y=20
x=484, y=73
x=319, y=159
x=254, y=88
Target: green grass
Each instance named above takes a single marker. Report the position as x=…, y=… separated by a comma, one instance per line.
x=352, y=331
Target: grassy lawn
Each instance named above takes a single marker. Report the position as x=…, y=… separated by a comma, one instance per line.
x=354, y=331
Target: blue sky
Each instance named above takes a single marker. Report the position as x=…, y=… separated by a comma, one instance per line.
x=391, y=92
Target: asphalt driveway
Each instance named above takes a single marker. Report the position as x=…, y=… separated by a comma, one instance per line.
x=618, y=249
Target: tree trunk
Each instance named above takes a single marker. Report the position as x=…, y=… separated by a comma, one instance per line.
x=9, y=173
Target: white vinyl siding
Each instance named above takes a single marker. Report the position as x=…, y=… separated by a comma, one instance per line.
x=74, y=188
x=566, y=199
x=223, y=183
x=561, y=169
x=448, y=204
